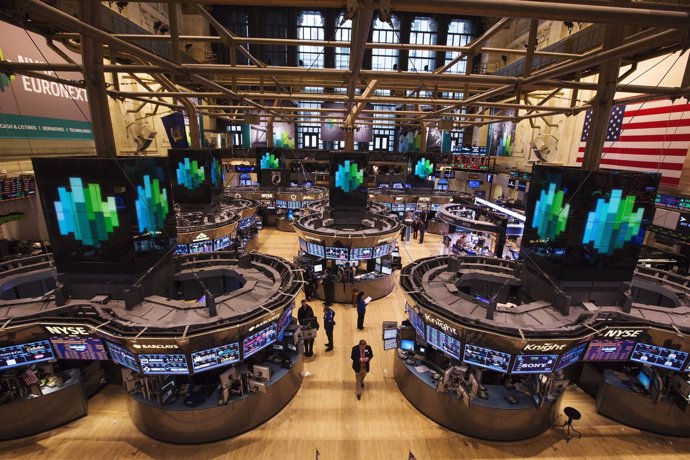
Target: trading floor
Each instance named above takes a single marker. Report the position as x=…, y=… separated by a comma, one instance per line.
x=325, y=415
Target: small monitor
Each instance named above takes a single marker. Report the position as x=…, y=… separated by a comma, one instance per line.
x=386, y=270
x=407, y=345
x=318, y=268
x=644, y=380
x=420, y=349
x=262, y=372
x=390, y=333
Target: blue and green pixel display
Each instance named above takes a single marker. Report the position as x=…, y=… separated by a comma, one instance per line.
x=348, y=176
x=613, y=222
x=83, y=212
x=550, y=214
x=216, y=173
x=152, y=205
x=269, y=161
x=189, y=174
x=424, y=168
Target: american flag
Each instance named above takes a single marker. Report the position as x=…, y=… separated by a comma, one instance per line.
x=29, y=377
x=651, y=136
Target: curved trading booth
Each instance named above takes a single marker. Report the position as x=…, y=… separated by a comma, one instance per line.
x=488, y=355
x=210, y=358
x=280, y=207
x=216, y=230
x=401, y=201
x=369, y=248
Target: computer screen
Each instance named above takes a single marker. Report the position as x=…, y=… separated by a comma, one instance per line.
x=221, y=243
x=644, y=380
x=390, y=333
x=571, y=356
x=390, y=344
x=212, y=358
x=122, y=356
x=486, y=357
x=443, y=342
x=335, y=253
x=609, y=350
x=659, y=356
x=382, y=250
x=521, y=186
x=361, y=253
x=182, y=249
x=284, y=320
x=259, y=340
x=25, y=354
x=534, y=364
x=302, y=244
x=82, y=348
x=315, y=250
x=474, y=183
x=386, y=270
x=318, y=268
x=152, y=364
x=281, y=203
x=201, y=246
x=407, y=345
x=416, y=322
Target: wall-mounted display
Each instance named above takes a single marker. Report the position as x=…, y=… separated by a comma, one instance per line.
x=122, y=356
x=417, y=322
x=259, y=340
x=443, y=342
x=571, y=356
x=316, y=250
x=197, y=175
x=25, y=354
x=659, y=356
x=213, y=358
x=153, y=364
x=609, y=350
x=348, y=181
x=486, y=357
x=336, y=253
x=86, y=348
x=361, y=253
x=534, y=364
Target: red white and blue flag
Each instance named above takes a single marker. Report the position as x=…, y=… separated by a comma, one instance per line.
x=651, y=136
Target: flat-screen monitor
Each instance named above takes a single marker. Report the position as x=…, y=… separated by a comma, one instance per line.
x=86, y=348
x=122, y=356
x=390, y=333
x=201, y=246
x=659, y=356
x=389, y=344
x=571, y=356
x=294, y=204
x=284, y=320
x=361, y=253
x=25, y=354
x=152, y=364
x=398, y=186
x=221, y=243
x=259, y=340
x=382, y=250
x=443, y=342
x=474, y=183
x=212, y=358
x=521, y=186
x=486, y=357
x=386, y=270
x=416, y=322
x=315, y=250
x=318, y=268
x=407, y=345
x=511, y=183
x=302, y=245
x=609, y=350
x=281, y=204
x=644, y=380
x=335, y=253
x=181, y=249
x=534, y=364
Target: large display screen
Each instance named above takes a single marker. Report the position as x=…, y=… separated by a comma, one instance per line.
x=334, y=253
x=361, y=253
x=25, y=354
x=17, y=187
x=197, y=175
x=164, y=364
x=212, y=358
x=201, y=246
x=106, y=215
x=486, y=357
x=423, y=166
x=609, y=350
x=258, y=341
x=221, y=243
x=382, y=250
x=348, y=182
x=659, y=356
x=122, y=356
x=88, y=348
x=284, y=320
x=587, y=225
x=443, y=342
x=571, y=356
x=269, y=159
x=534, y=364
x=316, y=250
x=302, y=244
x=417, y=322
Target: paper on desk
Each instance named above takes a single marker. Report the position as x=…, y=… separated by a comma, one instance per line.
x=422, y=369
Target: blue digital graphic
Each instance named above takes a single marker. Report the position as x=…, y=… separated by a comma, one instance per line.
x=613, y=223
x=189, y=174
x=349, y=177
x=152, y=205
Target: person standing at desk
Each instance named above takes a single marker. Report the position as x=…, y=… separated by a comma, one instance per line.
x=328, y=323
x=422, y=230
x=308, y=284
x=306, y=319
x=361, y=357
x=361, y=310
x=328, y=287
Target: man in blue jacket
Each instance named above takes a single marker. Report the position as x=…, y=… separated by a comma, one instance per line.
x=328, y=323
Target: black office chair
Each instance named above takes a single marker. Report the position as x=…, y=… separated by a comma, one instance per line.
x=572, y=414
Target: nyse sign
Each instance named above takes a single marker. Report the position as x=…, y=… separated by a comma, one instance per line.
x=622, y=333
x=68, y=330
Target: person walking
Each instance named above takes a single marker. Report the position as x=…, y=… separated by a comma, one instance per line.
x=415, y=228
x=308, y=284
x=328, y=323
x=422, y=230
x=306, y=319
x=328, y=287
x=361, y=310
x=361, y=357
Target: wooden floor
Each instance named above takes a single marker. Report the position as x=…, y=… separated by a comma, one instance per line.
x=326, y=416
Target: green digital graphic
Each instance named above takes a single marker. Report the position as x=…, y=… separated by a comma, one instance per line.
x=550, y=214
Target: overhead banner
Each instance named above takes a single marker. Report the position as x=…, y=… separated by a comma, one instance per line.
x=177, y=129
x=501, y=134
x=32, y=108
x=332, y=126
x=283, y=135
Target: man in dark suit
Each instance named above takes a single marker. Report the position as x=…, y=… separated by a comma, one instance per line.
x=361, y=357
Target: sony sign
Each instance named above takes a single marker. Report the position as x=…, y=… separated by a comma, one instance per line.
x=621, y=333
x=544, y=347
x=445, y=327
x=68, y=330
